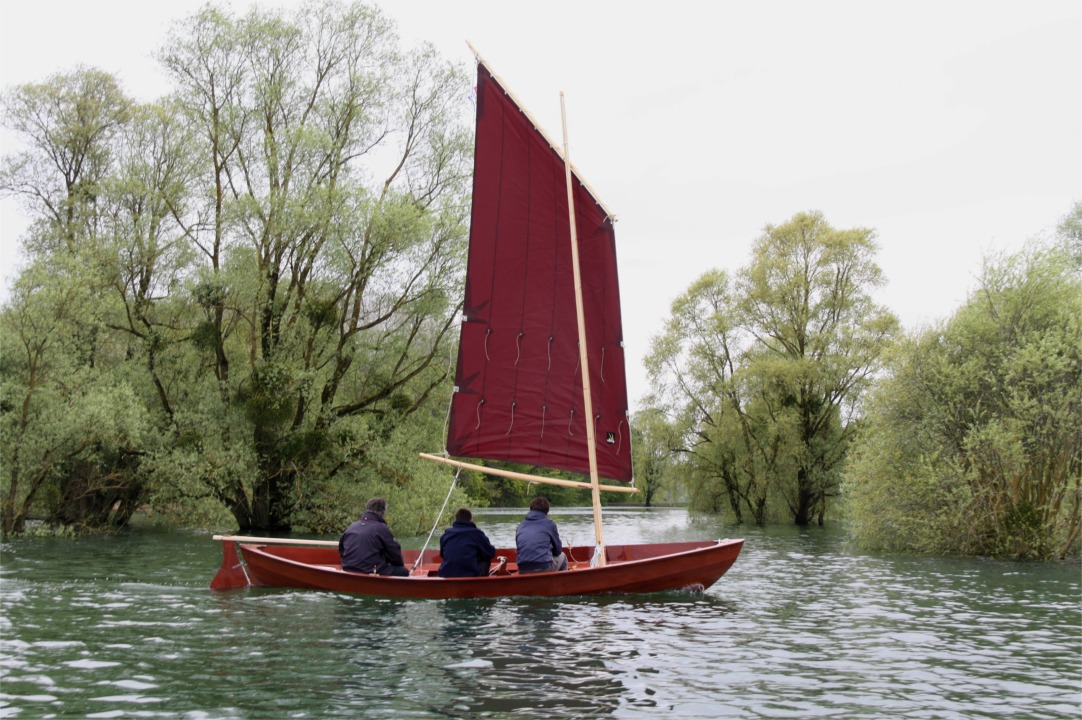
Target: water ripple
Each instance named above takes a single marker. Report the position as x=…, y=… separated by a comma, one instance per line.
x=800, y=628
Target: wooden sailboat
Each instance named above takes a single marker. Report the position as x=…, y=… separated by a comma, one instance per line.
x=541, y=305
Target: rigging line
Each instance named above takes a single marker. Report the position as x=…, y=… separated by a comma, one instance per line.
x=451, y=489
x=544, y=409
x=550, y=351
x=571, y=420
x=488, y=331
x=479, y=404
x=602, y=363
x=619, y=436
x=518, y=347
x=513, y=404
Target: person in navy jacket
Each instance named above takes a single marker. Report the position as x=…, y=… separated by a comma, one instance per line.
x=465, y=549
x=538, y=542
x=368, y=546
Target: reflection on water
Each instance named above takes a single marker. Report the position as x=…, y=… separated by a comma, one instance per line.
x=800, y=627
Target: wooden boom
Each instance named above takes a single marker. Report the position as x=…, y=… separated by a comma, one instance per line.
x=274, y=541
x=525, y=476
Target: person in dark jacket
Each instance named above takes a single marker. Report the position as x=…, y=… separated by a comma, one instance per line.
x=465, y=549
x=538, y=541
x=368, y=546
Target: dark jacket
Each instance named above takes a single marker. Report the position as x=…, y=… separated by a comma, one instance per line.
x=368, y=545
x=537, y=541
x=466, y=551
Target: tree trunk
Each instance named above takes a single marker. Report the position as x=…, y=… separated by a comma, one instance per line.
x=802, y=511
x=271, y=504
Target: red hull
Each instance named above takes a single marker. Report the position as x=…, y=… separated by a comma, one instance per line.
x=630, y=569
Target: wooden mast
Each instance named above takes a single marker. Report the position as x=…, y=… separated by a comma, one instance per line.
x=587, y=399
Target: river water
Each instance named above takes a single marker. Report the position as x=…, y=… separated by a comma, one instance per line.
x=800, y=627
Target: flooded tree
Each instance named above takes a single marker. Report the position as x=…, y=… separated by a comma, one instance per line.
x=973, y=442
x=269, y=258
x=329, y=234
x=67, y=450
x=763, y=374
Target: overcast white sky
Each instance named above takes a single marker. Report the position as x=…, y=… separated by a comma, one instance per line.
x=953, y=128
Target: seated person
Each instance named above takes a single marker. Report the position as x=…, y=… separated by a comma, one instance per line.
x=538, y=541
x=368, y=546
x=465, y=549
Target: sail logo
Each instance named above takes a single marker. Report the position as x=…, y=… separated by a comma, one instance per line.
x=610, y=438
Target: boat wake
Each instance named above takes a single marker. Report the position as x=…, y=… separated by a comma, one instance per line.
x=693, y=589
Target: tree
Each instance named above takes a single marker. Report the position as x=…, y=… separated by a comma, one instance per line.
x=819, y=334
x=69, y=123
x=653, y=444
x=71, y=433
x=973, y=442
x=323, y=296
x=67, y=451
x=763, y=376
x=693, y=364
x=1069, y=233
x=143, y=253
x=270, y=259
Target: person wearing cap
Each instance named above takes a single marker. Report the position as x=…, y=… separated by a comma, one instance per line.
x=368, y=546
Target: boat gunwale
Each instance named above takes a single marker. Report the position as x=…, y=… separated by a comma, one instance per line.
x=612, y=565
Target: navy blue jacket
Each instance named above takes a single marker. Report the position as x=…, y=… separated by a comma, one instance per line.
x=368, y=545
x=537, y=541
x=466, y=551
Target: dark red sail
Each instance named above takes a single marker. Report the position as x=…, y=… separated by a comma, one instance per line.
x=518, y=386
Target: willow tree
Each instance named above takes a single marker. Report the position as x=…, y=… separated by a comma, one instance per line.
x=653, y=444
x=71, y=429
x=267, y=262
x=68, y=123
x=329, y=230
x=807, y=299
x=727, y=458
x=974, y=443
x=764, y=374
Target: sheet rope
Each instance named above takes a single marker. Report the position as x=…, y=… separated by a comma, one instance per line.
x=436, y=524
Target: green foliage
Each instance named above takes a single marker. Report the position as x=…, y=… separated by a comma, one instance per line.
x=205, y=472
x=760, y=377
x=973, y=442
x=268, y=261
x=1069, y=234
x=68, y=122
x=653, y=443
x=38, y=529
x=387, y=467
x=71, y=435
